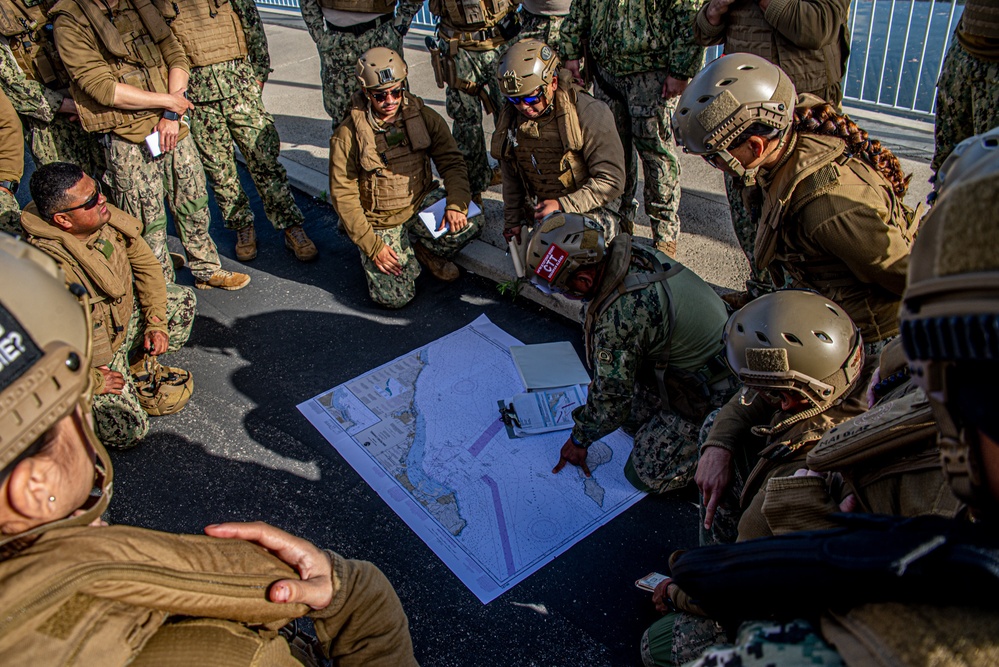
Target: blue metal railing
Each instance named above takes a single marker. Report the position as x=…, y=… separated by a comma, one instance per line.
x=897, y=49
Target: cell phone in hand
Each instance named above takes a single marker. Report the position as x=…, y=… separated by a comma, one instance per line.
x=650, y=581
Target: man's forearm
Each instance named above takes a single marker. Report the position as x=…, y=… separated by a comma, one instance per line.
x=177, y=80
x=131, y=98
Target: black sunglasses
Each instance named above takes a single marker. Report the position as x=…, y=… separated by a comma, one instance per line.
x=526, y=99
x=382, y=95
x=90, y=203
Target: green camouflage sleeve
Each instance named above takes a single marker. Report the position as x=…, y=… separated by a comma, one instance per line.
x=574, y=30
x=28, y=97
x=686, y=55
x=617, y=352
x=256, y=39
x=404, y=13
x=313, y=17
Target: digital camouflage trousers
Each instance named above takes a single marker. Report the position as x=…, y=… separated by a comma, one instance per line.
x=140, y=183
x=119, y=420
x=397, y=291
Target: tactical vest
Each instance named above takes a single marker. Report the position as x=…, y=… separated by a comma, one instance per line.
x=86, y=596
x=828, y=167
x=363, y=6
x=811, y=70
x=685, y=380
x=209, y=30
x=395, y=164
x=107, y=276
x=471, y=14
x=129, y=46
x=29, y=34
x=549, y=155
x=980, y=17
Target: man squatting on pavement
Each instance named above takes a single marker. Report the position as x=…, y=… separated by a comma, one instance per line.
x=343, y=30
x=129, y=75
x=558, y=147
x=472, y=36
x=380, y=178
x=653, y=339
x=226, y=45
x=206, y=600
x=132, y=308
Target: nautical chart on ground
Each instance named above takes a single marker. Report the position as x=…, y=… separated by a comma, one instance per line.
x=425, y=432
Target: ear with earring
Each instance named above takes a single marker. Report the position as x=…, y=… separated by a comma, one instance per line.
x=51, y=499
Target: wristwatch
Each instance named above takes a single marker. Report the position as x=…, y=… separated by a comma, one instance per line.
x=170, y=115
x=10, y=186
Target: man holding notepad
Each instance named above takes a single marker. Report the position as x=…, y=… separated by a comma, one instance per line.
x=381, y=178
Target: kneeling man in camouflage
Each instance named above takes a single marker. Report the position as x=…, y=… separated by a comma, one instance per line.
x=136, y=316
x=381, y=178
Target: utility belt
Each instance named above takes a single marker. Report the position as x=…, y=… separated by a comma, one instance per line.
x=360, y=28
x=482, y=40
x=444, y=50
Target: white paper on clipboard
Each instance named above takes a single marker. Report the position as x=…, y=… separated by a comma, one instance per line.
x=433, y=214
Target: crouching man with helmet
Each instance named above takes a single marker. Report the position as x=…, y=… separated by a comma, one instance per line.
x=557, y=145
x=91, y=594
x=653, y=341
x=136, y=315
x=381, y=178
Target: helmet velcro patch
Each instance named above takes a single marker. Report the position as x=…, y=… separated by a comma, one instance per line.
x=553, y=223
x=18, y=352
x=767, y=359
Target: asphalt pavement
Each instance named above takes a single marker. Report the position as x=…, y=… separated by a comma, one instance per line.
x=241, y=451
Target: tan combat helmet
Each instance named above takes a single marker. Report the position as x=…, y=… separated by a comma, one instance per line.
x=561, y=244
x=44, y=365
x=726, y=98
x=525, y=67
x=380, y=68
x=796, y=341
x=950, y=311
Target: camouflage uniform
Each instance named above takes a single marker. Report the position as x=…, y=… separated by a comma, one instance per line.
x=397, y=291
x=624, y=343
x=631, y=52
x=11, y=165
x=229, y=108
x=679, y=637
x=967, y=94
x=478, y=67
x=765, y=643
x=49, y=135
x=745, y=220
x=119, y=420
x=339, y=51
x=540, y=26
x=140, y=182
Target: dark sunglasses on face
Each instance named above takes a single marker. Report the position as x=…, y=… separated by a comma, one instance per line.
x=533, y=98
x=382, y=95
x=89, y=204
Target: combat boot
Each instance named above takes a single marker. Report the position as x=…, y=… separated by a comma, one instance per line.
x=441, y=268
x=162, y=390
x=227, y=280
x=300, y=244
x=246, y=243
x=497, y=176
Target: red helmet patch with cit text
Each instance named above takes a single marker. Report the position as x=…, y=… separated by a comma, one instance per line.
x=551, y=263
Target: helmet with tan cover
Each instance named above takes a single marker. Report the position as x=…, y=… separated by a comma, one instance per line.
x=728, y=97
x=950, y=312
x=525, y=67
x=380, y=68
x=795, y=341
x=45, y=369
x=561, y=244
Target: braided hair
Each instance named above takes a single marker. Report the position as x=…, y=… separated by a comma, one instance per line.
x=825, y=119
